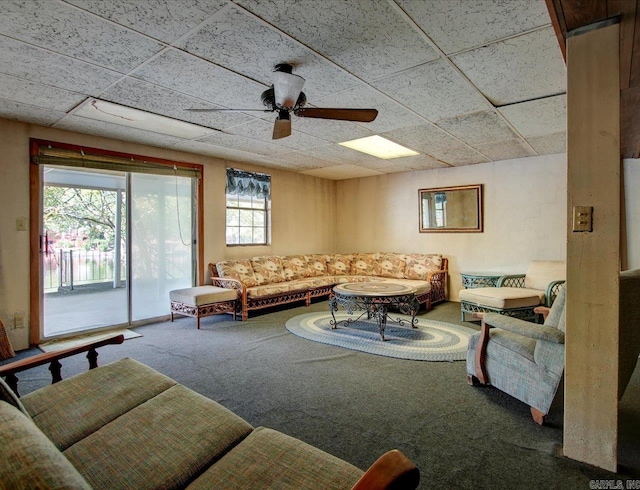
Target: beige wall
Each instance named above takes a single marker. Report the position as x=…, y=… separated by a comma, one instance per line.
x=631, y=196
x=303, y=209
x=524, y=215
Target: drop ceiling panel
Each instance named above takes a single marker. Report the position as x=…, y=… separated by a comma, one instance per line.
x=538, y=117
x=329, y=130
x=436, y=144
x=481, y=127
x=505, y=150
x=242, y=143
x=166, y=21
x=521, y=68
x=550, y=144
x=369, y=38
x=263, y=130
x=390, y=114
x=115, y=131
x=38, y=94
x=457, y=25
x=341, y=154
x=222, y=152
x=434, y=90
x=27, y=113
x=406, y=164
x=142, y=95
x=238, y=41
x=301, y=160
x=68, y=30
x=340, y=172
x=38, y=65
x=185, y=73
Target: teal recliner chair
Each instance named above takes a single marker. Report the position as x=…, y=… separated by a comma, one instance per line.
x=526, y=360
x=523, y=359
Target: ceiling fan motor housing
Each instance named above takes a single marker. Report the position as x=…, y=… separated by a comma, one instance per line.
x=269, y=100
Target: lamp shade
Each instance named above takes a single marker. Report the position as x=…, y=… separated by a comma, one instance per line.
x=287, y=88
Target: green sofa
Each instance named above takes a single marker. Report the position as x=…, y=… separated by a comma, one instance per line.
x=125, y=425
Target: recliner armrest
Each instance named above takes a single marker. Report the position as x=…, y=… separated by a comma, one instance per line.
x=526, y=329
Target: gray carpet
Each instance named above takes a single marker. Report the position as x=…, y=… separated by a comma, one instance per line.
x=357, y=406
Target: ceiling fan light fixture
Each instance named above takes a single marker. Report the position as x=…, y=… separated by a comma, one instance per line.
x=287, y=88
x=379, y=147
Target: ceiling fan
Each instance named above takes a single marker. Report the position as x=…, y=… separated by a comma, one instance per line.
x=285, y=96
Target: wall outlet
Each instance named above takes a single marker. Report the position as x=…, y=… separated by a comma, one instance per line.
x=21, y=224
x=18, y=320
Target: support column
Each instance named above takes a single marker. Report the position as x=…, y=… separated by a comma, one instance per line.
x=593, y=258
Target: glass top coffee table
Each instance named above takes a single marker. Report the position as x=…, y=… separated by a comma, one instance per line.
x=374, y=299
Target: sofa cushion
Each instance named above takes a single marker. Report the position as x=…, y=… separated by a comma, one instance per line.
x=7, y=395
x=163, y=443
x=295, y=267
x=28, y=459
x=366, y=264
x=241, y=270
x=290, y=286
x=392, y=265
x=317, y=264
x=268, y=269
x=339, y=264
x=541, y=272
x=78, y=406
x=503, y=298
x=270, y=459
x=419, y=266
x=203, y=295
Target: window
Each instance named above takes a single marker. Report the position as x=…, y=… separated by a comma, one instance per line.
x=248, y=207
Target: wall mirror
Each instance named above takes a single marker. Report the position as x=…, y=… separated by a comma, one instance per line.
x=451, y=209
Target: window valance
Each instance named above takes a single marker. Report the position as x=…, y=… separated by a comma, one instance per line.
x=48, y=155
x=248, y=183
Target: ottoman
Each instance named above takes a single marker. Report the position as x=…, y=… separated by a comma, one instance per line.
x=514, y=302
x=203, y=301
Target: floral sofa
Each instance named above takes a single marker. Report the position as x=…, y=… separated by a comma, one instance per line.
x=272, y=280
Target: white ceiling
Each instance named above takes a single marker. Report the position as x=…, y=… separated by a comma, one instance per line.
x=460, y=81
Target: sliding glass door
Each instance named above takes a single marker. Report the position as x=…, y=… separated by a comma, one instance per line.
x=113, y=245
x=162, y=241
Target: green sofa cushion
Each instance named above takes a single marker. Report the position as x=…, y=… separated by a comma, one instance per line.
x=28, y=459
x=76, y=407
x=269, y=459
x=163, y=443
x=7, y=395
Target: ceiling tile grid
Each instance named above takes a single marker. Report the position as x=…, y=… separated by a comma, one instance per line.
x=460, y=82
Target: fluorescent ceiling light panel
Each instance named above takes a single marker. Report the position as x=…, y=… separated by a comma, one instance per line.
x=101, y=110
x=379, y=147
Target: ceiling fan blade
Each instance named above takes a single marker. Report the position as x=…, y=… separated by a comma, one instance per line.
x=282, y=126
x=359, y=115
x=230, y=110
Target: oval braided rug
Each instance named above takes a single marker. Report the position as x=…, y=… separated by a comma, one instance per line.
x=431, y=341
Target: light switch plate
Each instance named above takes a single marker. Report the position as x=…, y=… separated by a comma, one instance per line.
x=582, y=218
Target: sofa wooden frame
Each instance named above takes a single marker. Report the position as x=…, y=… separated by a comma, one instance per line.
x=437, y=294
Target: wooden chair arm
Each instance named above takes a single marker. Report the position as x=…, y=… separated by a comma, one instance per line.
x=542, y=310
x=10, y=370
x=481, y=354
x=392, y=471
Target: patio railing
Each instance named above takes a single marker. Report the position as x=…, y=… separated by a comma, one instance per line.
x=65, y=269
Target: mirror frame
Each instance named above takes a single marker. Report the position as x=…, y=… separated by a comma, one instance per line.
x=477, y=228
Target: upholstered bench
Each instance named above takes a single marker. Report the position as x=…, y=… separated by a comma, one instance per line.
x=203, y=301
